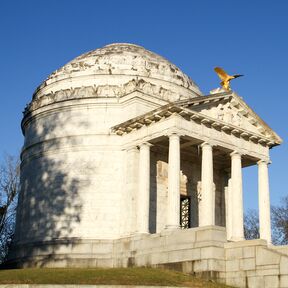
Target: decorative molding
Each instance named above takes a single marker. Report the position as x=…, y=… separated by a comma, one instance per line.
x=189, y=115
x=105, y=91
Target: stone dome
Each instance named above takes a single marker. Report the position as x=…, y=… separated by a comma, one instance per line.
x=123, y=59
x=115, y=65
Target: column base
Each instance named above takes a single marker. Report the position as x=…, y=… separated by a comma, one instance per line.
x=206, y=225
x=236, y=239
x=172, y=227
x=269, y=242
x=141, y=233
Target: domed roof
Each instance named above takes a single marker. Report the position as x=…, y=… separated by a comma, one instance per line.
x=115, y=70
x=124, y=59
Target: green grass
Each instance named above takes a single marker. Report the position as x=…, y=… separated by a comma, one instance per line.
x=97, y=276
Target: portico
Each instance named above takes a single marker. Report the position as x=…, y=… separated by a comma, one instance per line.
x=214, y=146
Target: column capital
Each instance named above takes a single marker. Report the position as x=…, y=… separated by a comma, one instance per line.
x=133, y=148
x=144, y=144
x=173, y=134
x=174, y=131
x=206, y=144
x=236, y=154
x=264, y=161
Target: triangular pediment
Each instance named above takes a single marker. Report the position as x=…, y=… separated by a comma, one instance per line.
x=223, y=111
x=228, y=108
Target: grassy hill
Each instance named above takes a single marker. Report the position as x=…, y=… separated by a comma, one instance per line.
x=97, y=276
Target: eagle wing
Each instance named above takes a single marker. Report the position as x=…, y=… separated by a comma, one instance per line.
x=221, y=73
x=237, y=75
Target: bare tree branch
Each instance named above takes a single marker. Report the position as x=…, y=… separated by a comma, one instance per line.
x=280, y=222
x=279, y=217
x=251, y=225
x=9, y=187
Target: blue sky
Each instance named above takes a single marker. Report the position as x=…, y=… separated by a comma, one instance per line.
x=246, y=37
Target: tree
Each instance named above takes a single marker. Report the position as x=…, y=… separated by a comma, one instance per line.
x=251, y=225
x=9, y=188
x=280, y=222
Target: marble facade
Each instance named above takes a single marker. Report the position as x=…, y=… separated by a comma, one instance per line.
x=125, y=162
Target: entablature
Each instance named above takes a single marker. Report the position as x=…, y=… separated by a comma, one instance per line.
x=197, y=118
x=194, y=130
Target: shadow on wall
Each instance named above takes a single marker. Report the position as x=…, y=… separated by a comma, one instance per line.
x=49, y=207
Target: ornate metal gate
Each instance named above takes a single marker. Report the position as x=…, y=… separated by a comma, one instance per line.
x=185, y=204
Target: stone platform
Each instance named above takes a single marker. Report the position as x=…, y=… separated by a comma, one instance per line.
x=203, y=252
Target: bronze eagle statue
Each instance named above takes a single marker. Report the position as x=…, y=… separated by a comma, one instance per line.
x=225, y=78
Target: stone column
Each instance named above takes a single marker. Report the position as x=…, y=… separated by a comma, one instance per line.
x=229, y=210
x=237, y=197
x=143, y=197
x=207, y=216
x=173, y=202
x=129, y=202
x=264, y=201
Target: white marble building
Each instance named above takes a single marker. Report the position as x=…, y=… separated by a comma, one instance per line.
x=125, y=162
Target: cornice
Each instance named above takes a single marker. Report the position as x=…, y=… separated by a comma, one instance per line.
x=168, y=110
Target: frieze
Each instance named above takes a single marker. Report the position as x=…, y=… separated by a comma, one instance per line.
x=110, y=91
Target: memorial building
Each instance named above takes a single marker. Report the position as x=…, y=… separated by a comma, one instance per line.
x=126, y=163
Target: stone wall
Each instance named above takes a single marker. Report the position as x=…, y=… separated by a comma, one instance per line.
x=68, y=158
x=203, y=252
x=70, y=194
x=253, y=264
x=198, y=251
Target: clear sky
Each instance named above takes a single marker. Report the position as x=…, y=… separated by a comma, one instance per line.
x=245, y=37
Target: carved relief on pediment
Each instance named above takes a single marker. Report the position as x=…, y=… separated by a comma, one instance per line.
x=226, y=113
x=232, y=115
